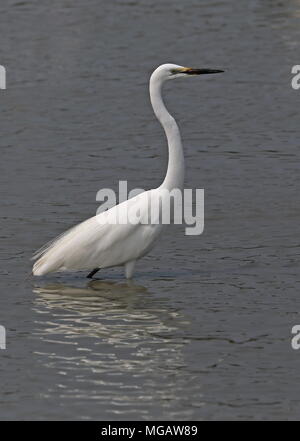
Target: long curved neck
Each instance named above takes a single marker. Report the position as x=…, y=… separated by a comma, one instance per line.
x=175, y=172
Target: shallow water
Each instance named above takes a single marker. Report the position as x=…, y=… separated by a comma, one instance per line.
x=204, y=330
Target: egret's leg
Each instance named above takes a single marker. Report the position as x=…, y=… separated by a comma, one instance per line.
x=129, y=268
x=92, y=273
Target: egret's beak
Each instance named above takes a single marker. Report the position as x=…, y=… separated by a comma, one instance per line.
x=191, y=71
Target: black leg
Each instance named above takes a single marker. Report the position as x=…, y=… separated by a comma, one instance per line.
x=92, y=273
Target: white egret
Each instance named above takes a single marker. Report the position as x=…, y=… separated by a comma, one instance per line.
x=98, y=243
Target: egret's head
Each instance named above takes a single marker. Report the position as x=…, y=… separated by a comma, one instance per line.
x=171, y=71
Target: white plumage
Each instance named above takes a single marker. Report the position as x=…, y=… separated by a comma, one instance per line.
x=101, y=243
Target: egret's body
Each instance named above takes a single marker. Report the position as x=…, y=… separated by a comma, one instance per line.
x=99, y=243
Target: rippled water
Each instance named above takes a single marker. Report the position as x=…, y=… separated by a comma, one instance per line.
x=204, y=330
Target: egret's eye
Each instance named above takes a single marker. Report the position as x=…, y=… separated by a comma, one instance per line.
x=174, y=71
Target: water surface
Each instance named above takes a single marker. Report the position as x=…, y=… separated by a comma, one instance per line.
x=203, y=332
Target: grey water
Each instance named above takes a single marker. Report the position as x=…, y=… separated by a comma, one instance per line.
x=204, y=330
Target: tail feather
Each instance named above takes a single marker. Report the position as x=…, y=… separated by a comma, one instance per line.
x=60, y=254
x=48, y=255
x=44, y=266
x=47, y=246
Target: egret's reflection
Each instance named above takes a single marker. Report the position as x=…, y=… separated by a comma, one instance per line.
x=96, y=297
x=110, y=341
x=101, y=308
